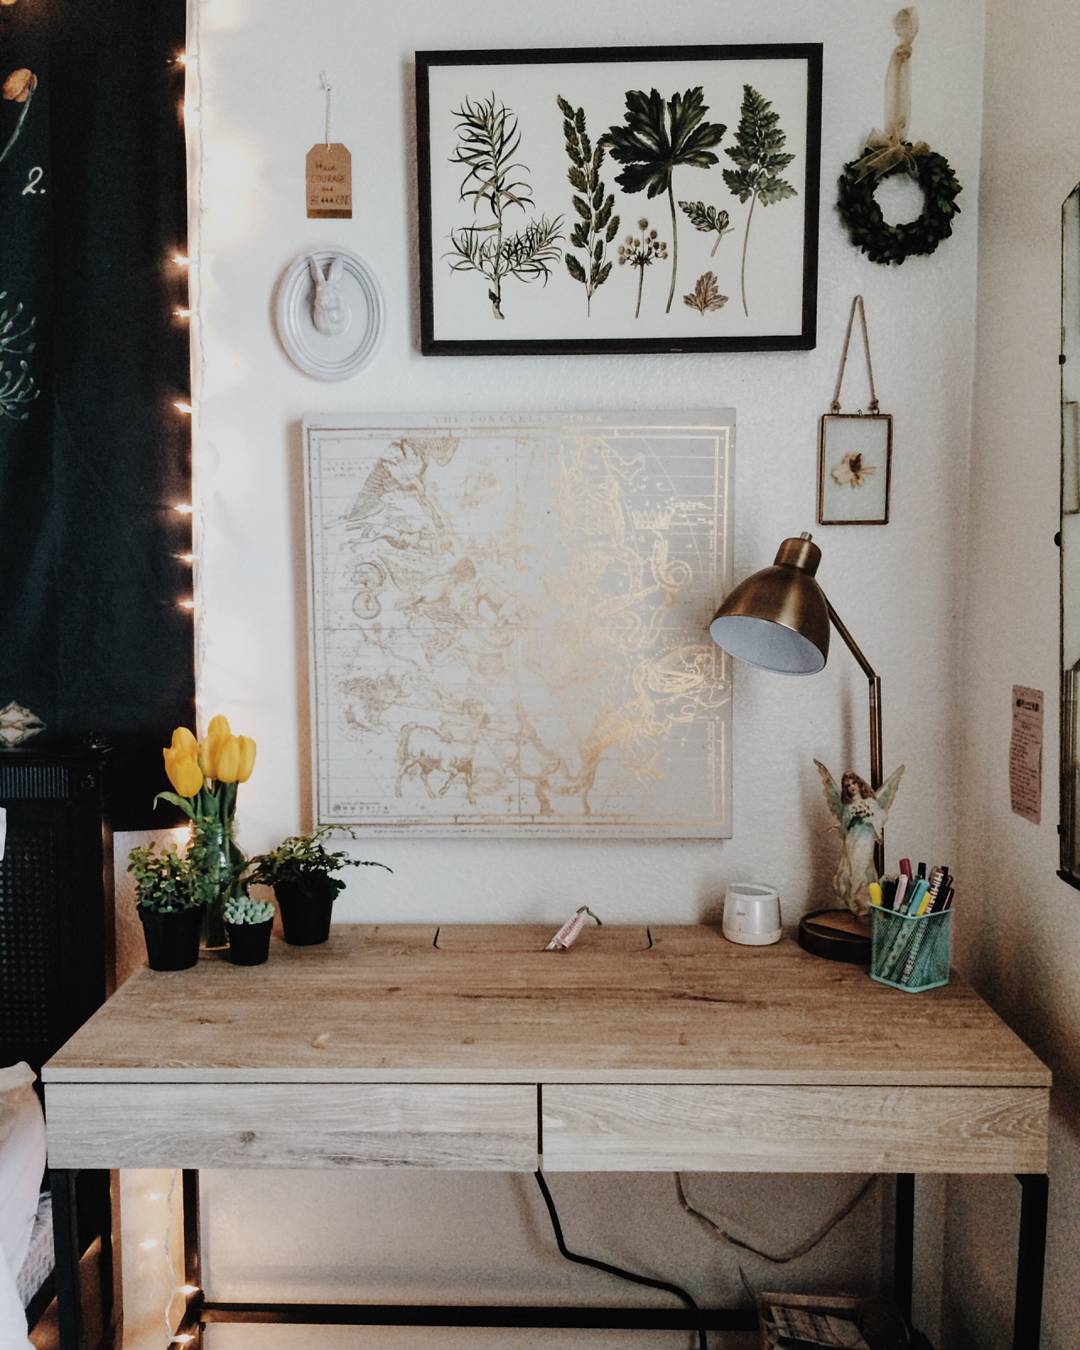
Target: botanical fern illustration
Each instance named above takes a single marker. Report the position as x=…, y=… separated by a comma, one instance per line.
x=759, y=156
x=639, y=250
x=596, y=227
x=488, y=140
x=17, y=387
x=658, y=138
x=709, y=220
x=705, y=295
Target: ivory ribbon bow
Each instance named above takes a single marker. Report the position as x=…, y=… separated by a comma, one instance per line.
x=887, y=148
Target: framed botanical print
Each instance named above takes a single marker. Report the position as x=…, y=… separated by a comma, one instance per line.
x=618, y=199
x=854, y=468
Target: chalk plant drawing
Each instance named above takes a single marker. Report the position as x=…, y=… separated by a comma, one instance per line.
x=598, y=224
x=496, y=183
x=17, y=386
x=759, y=156
x=709, y=220
x=19, y=89
x=657, y=138
x=706, y=295
x=640, y=251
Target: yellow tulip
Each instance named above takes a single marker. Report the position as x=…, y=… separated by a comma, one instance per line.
x=185, y=742
x=227, y=759
x=247, y=758
x=219, y=726
x=208, y=751
x=183, y=772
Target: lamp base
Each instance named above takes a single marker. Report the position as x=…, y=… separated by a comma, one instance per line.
x=836, y=935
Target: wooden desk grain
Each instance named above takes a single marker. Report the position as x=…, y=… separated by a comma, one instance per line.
x=743, y=1033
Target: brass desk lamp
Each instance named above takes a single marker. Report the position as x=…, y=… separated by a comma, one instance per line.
x=779, y=619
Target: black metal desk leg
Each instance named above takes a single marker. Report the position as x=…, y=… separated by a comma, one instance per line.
x=192, y=1322
x=904, y=1242
x=65, y=1208
x=1027, y=1324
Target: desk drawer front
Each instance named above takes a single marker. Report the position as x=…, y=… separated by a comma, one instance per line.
x=463, y=1127
x=794, y=1129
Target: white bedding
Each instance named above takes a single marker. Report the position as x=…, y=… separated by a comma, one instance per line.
x=22, y=1162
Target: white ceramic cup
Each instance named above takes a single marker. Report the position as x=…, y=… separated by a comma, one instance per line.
x=752, y=914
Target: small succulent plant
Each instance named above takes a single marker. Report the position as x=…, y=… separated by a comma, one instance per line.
x=243, y=909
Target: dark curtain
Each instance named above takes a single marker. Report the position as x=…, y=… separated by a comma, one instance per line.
x=93, y=456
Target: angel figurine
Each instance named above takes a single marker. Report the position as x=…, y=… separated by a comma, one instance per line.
x=860, y=818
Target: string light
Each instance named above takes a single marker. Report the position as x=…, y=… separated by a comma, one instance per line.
x=183, y=508
x=187, y=604
x=181, y=259
x=182, y=313
x=182, y=406
x=187, y=559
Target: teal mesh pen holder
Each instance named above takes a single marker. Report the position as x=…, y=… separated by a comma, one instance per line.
x=908, y=951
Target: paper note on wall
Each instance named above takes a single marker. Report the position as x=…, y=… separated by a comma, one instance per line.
x=3, y=831
x=1025, y=753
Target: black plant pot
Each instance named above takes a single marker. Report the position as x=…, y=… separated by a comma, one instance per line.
x=172, y=940
x=249, y=943
x=305, y=911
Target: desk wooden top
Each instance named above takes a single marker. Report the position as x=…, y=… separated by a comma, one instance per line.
x=480, y=1003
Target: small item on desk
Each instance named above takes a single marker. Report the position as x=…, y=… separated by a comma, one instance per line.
x=568, y=934
x=877, y=896
x=912, y=938
x=905, y=868
x=752, y=914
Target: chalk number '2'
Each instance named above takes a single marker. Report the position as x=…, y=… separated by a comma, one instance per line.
x=37, y=173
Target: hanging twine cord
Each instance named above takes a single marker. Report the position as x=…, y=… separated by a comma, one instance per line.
x=890, y=147
x=856, y=305
x=328, y=90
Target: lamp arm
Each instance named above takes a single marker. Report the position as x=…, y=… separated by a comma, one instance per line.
x=875, y=714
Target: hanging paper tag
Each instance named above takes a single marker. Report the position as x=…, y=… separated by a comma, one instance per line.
x=329, y=182
x=571, y=929
x=3, y=831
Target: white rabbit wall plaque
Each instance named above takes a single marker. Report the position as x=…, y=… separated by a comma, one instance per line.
x=329, y=313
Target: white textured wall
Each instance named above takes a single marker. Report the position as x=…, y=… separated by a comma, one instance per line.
x=898, y=588
x=1021, y=925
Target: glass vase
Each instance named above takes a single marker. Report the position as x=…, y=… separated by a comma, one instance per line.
x=218, y=863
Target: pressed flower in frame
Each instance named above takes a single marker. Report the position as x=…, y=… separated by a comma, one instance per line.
x=852, y=471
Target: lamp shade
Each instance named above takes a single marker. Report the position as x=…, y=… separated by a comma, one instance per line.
x=778, y=619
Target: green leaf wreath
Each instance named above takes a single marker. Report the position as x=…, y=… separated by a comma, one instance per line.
x=869, y=230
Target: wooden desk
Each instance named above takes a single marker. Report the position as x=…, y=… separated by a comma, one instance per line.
x=650, y=1049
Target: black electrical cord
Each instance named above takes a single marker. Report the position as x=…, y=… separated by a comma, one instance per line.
x=553, y=1214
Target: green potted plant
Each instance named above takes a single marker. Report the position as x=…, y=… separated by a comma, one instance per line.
x=303, y=874
x=169, y=902
x=248, y=923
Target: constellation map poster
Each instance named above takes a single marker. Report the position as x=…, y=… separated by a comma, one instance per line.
x=509, y=623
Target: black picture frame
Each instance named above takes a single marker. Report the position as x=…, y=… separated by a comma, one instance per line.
x=804, y=340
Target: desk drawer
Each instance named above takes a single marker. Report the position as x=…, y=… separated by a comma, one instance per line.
x=793, y=1129
x=462, y=1127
